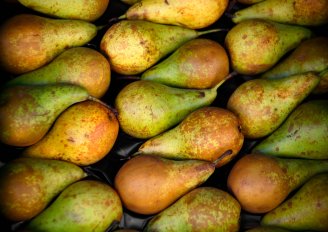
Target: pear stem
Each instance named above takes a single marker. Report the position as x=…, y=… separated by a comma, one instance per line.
x=122, y=17
x=211, y=31
x=100, y=27
x=129, y=78
x=230, y=75
x=91, y=98
x=225, y=154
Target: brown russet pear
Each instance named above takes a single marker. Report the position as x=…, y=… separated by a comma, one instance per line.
x=78, y=9
x=28, y=42
x=201, y=209
x=28, y=185
x=200, y=63
x=132, y=46
x=80, y=65
x=287, y=12
x=148, y=184
x=256, y=45
x=190, y=14
x=306, y=210
x=261, y=183
x=83, y=134
x=205, y=134
x=263, y=104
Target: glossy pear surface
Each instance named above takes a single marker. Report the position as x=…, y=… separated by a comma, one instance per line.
x=201, y=209
x=199, y=63
x=78, y=9
x=87, y=205
x=148, y=184
x=147, y=108
x=287, y=12
x=28, y=42
x=81, y=66
x=310, y=200
x=256, y=45
x=262, y=105
x=205, y=134
x=28, y=185
x=302, y=135
x=261, y=183
x=190, y=14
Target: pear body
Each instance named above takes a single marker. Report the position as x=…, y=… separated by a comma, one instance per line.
x=261, y=183
x=87, y=205
x=27, y=112
x=190, y=14
x=28, y=185
x=148, y=184
x=310, y=200
x=37, y=40
x=305, y=126
x=287, y=12
x=83, y=134
x=205, y=134
x=89, y=10
x=262, y=105
x=199, y=64
x=80, y=65
x=147, y=108
x=256, y=45
x=267, y=229
x=132, y=46
x=201, y=209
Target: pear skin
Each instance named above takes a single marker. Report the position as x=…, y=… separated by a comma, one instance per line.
x=148, y=184
x=28, y=185
x=28, y=42
x=83, y=134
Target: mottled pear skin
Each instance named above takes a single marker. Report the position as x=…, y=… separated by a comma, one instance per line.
x=28, y=42
x=201, y=209
x=28, y=185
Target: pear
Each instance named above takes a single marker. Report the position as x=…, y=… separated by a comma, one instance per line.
x=146, y=108
x=307, y=209
x=287, y=11
x=83, y=134
x=256, y=45
x=261, y=183
x=263, y=104
x=28, y=185
x=83, y=10
x=148, y=184
x=28, y=42
x=199, y=64
x=201, y=209
x=204, y=134
x=27, y=112
x=87, y=205
x=267, y=229
x=130, y=2
x=190, y=14
x=80, y=65
x=132, y=46
x=302, y=135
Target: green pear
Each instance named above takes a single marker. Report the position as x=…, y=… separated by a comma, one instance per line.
x=201, y=209
x=148, y=184
x=28, y=185
x=80, y=65
x=83, y=134
x=307, y=209
x=267, y=229
x=263, y=104
x=78, y=9
x=27, y=112
x=146, y=108
x=256, y=45
x=302, y=135
x=205, y=134
x=199, y=64
x=132, y=46
x=190, y=14
x=28, y=42
x=287, y=11
x=261, y=183
x=87, y=205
